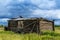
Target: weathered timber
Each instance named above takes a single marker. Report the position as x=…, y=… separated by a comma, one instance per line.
x=24, y=25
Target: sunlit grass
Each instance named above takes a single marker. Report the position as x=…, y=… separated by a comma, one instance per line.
x=46, y=35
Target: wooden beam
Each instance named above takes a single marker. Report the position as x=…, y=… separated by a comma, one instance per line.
x=53, y=26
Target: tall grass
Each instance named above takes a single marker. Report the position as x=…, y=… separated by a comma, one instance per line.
x=47, y=35
x=6, y=35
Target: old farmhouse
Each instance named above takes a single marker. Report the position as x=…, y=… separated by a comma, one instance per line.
x=27, y=25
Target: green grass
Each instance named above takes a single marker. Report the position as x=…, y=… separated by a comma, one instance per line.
x=47, y=35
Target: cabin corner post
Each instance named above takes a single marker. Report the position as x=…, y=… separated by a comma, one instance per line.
x=53, y=25
x=38, y=28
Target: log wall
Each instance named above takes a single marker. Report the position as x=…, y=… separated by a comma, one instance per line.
x=46, y=25
x=30, y=25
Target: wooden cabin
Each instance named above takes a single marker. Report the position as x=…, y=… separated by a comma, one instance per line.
x=27, y=25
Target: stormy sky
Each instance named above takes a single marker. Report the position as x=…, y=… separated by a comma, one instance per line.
x=49, y=9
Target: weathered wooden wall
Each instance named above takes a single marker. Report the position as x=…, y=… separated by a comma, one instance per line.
x=46, y=25
x=30, y=25
x=12, y=23
x=20, y=24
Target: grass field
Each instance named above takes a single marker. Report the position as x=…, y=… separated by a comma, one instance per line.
x=48, y=35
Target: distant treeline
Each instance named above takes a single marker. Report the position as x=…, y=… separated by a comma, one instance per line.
x=57, y=25
x=2, y=26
